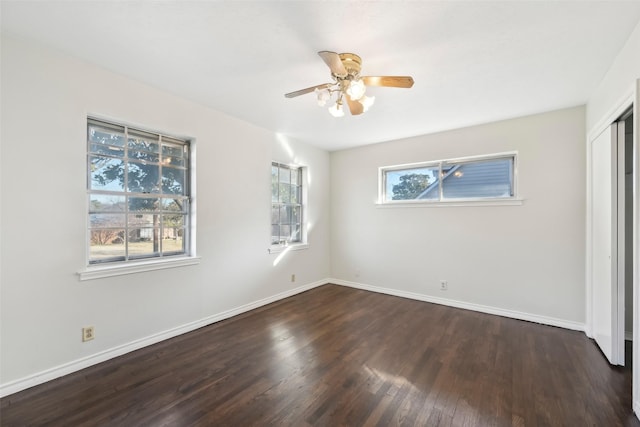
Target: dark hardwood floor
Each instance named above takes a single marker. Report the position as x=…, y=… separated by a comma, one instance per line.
x=336, y=356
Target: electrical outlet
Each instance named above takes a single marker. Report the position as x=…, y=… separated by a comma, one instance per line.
x=293, y=277
x=444, y=285
x=88, y=333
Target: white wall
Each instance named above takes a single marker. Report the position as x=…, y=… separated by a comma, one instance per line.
x=46, y=97
x=618, y=83
x=528, y=259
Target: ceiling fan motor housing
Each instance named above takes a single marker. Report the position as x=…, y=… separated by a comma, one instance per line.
x=352, y=63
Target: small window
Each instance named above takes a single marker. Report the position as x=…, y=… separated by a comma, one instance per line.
x=478, y=178
x=286, y=204
x=138, y=187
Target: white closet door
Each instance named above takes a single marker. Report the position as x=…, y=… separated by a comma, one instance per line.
x=604, y=244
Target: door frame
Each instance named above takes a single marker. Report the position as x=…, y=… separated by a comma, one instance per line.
x=631, y=99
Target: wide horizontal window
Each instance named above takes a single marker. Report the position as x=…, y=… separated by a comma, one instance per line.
x=472, y=178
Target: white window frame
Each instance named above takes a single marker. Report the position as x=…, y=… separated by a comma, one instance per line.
x=514, y=199
x=129, y=266
x=303, y=243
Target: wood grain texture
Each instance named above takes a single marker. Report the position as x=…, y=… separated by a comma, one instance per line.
x=336, y=356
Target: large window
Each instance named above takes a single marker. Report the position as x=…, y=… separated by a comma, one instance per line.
x=468, y=179
x=138, y=187
x=286, y=204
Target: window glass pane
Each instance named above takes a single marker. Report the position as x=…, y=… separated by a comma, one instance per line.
x=293, y=191
x=479, y=179
x=174, y=205
x=285, y=193
x=285, y=231
x=173, y=155
x=173, y=241
x=285, y=214
x=143, y=146
x=107, y=149
x=173, y=232
x=285, y=175
x=274, y=183
x=143, y=204
x=141, y=235
x=144, y=220
x=275, y=234
x=143, y=178
x=275, y=214
x=412, y=184
x=172, y=222
x=106, y=173
x=173, y=180
x=174, y=161
x=144, y=156
x=295, y=233
x=296, y=212
x=295, y=176
x=143, y=141
x=106, y=134
x=106, y=220
x=106, y=203
x=106, y=244
x=143, y=242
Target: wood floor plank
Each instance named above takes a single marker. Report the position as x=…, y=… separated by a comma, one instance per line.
x=337, y=356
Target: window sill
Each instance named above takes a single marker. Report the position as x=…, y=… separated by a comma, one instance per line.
x=102, y=271
x=452, y=203
x=293, y=247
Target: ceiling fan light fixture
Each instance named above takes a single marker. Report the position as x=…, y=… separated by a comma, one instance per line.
x=323, y=96
x=356, y=89
x=367, y=101
x=336, y=110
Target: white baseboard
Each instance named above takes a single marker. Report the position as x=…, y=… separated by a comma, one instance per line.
x=552, y=321
x=636, y=408
x=76, y=365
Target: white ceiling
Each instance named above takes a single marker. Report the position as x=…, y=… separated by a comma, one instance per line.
x=473, y=62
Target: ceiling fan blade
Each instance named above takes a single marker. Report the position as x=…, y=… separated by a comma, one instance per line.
x=388, y=81
x=354, y=106
x=334, y=62
x=307, y=90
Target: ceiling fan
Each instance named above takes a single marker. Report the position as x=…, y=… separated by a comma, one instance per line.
x=348, y=86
